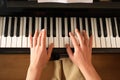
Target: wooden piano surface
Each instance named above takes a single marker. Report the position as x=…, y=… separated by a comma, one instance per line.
x=14, y=66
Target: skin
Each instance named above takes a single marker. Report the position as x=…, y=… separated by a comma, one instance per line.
x=81, y=56
x=39, y=55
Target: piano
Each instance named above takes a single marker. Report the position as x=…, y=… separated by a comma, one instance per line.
x=19, y=18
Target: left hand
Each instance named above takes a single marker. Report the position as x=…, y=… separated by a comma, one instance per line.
x=39, y=56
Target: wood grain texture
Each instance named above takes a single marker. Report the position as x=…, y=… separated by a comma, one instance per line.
x=14, y=66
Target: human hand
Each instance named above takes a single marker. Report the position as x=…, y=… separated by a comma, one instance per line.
x=82, y=49
x=82, y=54
x=39, y=55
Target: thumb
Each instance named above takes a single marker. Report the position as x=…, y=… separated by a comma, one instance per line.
x=50, y=48
x=69, y=51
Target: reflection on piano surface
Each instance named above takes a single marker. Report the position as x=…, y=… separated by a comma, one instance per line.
x=18, y=21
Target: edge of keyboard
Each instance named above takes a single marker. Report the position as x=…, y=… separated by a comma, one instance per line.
x=57, y=52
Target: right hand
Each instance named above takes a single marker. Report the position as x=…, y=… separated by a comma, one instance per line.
x=82, y=49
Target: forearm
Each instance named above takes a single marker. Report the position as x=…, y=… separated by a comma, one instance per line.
x=33, y=73
x=89, y=72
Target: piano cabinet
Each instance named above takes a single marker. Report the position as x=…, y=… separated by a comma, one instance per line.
x=14, y=66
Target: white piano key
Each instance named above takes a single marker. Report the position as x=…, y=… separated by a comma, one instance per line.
x=80, y=21
x=39, y=23
x=30, y=30
x=9, y=39
x=66, y=38
x=36, y=23
x=30, y=25
x=86, y=24
x=51, y=31
x=60, y=34
x=45, y=27
x=24, y=38
x=72, y=29
x=66, y=26
x=117, y=37
x=103, y=41
x=108, y=40
x=19, y=39
x=56, y=39
x=3, y=38
x=1, y=28
x=74, y=23
x=75, y=27
x=98, y=42
x=93, y=32
x=14, y=42
x=3, y=41
x=113, y=39
x=14, y=38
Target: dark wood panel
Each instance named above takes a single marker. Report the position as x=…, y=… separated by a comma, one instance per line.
x=107, y=65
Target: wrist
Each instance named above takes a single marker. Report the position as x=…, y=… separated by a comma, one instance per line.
x=35, y=67
x=89, y=72
x=34, y=73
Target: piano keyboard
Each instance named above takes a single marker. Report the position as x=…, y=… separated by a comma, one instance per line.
x=14, y=31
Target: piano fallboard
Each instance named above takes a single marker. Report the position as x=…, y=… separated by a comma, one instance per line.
x=58, y=52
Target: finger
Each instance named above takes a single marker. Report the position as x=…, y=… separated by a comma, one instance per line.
x=43, y=38
x=69, y=51
x=30, y=41
x=74, y=41
x=50, y=48
x=35, y=38
x=90, y=47
x=39, y=39
x=86, y=39
x=90, y=42
x=80, y=37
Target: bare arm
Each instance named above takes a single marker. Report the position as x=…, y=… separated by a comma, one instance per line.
x=39, y=56
x=81, y=57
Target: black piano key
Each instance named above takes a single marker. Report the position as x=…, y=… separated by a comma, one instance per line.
x=18, y=27
x=63, y=27
x=12, y=27
x=33, y=26
x=118, y=25
x=78, y=23
x=98, y=27
x=54, y=27
x=89, y=27
x=27, y=27
x=69, y=25
x=104, y=27
x=6, y=27
x=48, y=27
x=83, y=23
x=113, y=27
x=42, y=23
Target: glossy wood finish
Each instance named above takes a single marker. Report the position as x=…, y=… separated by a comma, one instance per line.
x=14, y=66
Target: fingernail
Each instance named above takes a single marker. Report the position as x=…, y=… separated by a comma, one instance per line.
x=70, y=33
x=76, y=29
x=43, y=30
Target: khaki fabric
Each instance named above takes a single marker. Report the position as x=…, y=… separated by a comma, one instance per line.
x=62, y=69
